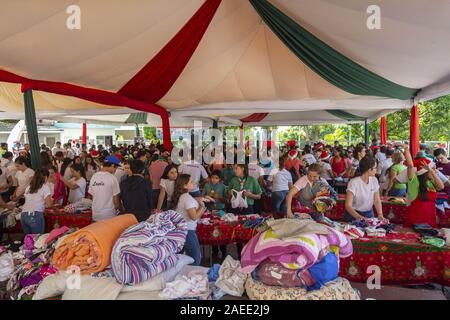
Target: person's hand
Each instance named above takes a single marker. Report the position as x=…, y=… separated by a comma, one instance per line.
x=290, y=215
x=426, y=166
x=10, y=205
x=247, y=193
x=14, y=198
x=383, y=219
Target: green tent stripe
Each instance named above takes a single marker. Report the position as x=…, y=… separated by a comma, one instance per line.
x=346, y=115
x=327, y=62
x=139, y=118
x=30, y=122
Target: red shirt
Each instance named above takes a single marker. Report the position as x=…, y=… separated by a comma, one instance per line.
x=338, y=167
x=295, y=163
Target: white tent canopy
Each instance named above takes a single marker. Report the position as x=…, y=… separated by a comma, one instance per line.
x=240, y=66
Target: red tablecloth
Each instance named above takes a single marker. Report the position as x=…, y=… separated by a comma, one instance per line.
x=222, y=233
x=402, y=259
x=396, y=213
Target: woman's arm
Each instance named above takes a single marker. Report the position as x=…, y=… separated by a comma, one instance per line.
x=195, y=213
x=162, y=195
x=349, y=208
x=49, y=201
x=69, y=184
x=437, y=182
x=290, y=184
x=292, y=192
x=252, y=195
x=409, y=162
x=392, y=176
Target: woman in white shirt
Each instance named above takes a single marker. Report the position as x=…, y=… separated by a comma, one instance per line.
x=363, y=193
x=281, y=182
x=24, y=175
x=167, y=185
x=358, y=154
x=77, y=184
x=38, y=196
x=191, y=210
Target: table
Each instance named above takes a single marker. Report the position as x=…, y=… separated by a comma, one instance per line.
x=403, y=260
x=395, y=212
x=223, y=233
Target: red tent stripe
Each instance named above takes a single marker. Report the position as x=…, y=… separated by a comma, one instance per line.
x=383, y=131
x=156, y=78
x=414, y=135
x=255, y=117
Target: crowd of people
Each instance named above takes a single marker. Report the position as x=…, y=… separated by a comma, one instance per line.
x=142, y=179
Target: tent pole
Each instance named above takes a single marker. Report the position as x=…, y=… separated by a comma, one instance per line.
x=366, y=132
x=138, y=134
x=84, y=134
x=215, y=124
x=30, y=121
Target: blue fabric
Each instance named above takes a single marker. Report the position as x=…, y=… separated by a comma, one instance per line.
x=195, y=194
x=33, y=222
x=192, y=247
x=349, y=218
x=213, y=273
x=324, y=271
x=397, y=192
x=279, y=202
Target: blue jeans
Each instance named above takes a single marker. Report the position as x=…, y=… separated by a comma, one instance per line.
x=33, y=222
x=279, y=201
x=397, y=192
x=349, y=218
x=192, y=247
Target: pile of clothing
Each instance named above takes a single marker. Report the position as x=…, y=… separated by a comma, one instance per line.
x=295, y=253
x=148, y=248
x=431, y=236
x=79, y=206
x=360, y=228
x=32, y=263
x=9, y=218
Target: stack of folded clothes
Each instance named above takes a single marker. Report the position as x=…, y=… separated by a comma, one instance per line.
x=295, y=254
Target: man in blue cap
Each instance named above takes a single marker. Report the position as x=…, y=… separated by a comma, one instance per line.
x=105, y=190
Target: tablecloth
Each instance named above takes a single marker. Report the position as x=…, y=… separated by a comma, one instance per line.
x=403, y=260
x=223, y=233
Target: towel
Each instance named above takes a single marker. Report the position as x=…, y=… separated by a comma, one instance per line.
x=288, y=228
x=90, y=247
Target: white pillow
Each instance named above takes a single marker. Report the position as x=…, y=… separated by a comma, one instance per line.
x=159, y=281
x=52, y=286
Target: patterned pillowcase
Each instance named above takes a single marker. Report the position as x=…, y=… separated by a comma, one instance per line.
x=339, y=289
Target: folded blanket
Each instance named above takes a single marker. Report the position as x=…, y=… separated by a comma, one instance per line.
x=148, y=248
x=299, y=252
x=90, y=247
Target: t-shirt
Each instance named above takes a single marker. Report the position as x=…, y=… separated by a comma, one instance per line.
x=363, y=193
x=69, y=154
x=295, y=163
x=68, y=173
x=304, y=181
x=35, y=202
x=103, y=188
x=255, y=171
x=397, y=168
x=309, y=158
x=55, y=150
x=4, y=180
x=195, y=170
x=136, y=195
x=227, y=175
x=213, y=189
x=120, y=174
x=445, y=170
x=12, y=172
x=23, y=180
x=169, y=186
x=280, y=180
x=185, y=203
x=414, y=187
x=156, y=170
x=78, y=193
x=249, y=183
x=380, y=156
x=383, y=167
x=326, y=168
x=90, y=172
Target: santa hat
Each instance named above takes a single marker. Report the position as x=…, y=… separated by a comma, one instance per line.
x=318, y=146
x=292, y=144
x=325, y=155
x=418, y=165
x=94, y=154
x=293, y=154
x=374, y=148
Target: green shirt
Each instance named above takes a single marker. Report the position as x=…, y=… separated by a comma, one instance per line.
x=219, y=189
x=250, y=184
x=413, y=188
x=397, y=168
x=227, y=175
